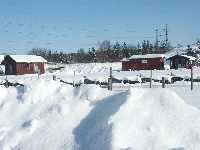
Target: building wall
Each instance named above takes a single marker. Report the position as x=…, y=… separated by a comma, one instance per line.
x=125, y=65
x=143, y=64
x=29, y=68
x=13, y=68
x=10, y=66
x=179, y=62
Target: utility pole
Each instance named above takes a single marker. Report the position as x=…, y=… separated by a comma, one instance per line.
x=156, y=40
x=166, y=36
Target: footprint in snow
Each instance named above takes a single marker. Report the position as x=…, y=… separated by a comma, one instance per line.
x=30, y=125
x=3, y=132
x=178, y=148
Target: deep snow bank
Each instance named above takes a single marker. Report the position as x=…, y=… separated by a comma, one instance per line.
x=44, y=114
x=50, y=115
x=89, y=68
x=156, y=120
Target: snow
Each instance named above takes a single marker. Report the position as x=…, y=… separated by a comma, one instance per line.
x=47, y=114
x=125, y=59
x=182, y=50
x=2, y=68
x=147, y=56
x=186, y=56
x=189, y=57
x=150, y=119
x=27, y=58
x=1, y=58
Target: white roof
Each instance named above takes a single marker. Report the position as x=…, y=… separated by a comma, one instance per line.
x=1, y=58
x=125, y=59
x=189, y=57
x=186, y=56
x=147, y=56
x=27, y=58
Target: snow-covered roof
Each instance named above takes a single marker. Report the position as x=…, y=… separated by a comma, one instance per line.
x=27, y=58
x=189, y=57
x=182, y=50
x=186, y=56
x=125, y=59
x=1, y=58
x=147, y=56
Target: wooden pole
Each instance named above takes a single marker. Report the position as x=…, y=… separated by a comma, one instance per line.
x=38, y=74
x=74, y=78
x=110, y=80
x=54, y=77
x=151, y=80
x=163, y=82
x=192, y=86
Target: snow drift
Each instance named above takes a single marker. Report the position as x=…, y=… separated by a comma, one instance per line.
x=54, y=116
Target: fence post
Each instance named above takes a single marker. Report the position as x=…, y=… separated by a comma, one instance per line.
x=151, y=80
x=163, y=82
x=192, y=86
x=110, y=80
x=6, y=83
x=74, y=79
x=54, y=77
x=38, y=73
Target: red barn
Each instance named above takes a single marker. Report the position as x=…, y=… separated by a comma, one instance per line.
x=143, y=62
x=23, y=64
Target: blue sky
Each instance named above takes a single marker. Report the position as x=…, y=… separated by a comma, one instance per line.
x=71, y=24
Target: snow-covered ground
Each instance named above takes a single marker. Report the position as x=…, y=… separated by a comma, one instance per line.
x=47, y=114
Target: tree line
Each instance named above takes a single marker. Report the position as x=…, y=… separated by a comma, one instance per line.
x=105, y=52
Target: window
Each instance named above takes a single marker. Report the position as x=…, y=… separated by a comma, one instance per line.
x=144, y=61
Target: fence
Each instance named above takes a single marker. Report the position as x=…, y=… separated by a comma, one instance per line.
x=122, y=80
x=187, y=79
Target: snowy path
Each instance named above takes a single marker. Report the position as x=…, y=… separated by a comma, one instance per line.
x=94, y=132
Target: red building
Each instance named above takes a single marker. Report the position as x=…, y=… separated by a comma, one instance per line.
x=143, y=62
x=23, y=64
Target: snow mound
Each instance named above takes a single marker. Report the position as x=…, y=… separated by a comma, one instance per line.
x=155, y=120
x=51, y=115
x=140, y=120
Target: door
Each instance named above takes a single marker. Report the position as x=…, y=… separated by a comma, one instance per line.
x=10, y=69
x=36, y=68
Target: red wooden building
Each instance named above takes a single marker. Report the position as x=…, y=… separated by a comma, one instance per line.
x=143, y=62
x=23, y=64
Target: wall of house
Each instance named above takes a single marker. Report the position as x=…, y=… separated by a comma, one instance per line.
x=29, y=68
x=179, y=62
x=10, y=66
x=126, y=65
x=144, y=64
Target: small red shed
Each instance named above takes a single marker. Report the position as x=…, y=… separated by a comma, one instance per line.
x=143, y=62
x=23, y=64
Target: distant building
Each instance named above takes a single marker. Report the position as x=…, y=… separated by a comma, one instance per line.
x=181, y=61
x=143, y=62
x=23, y=64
